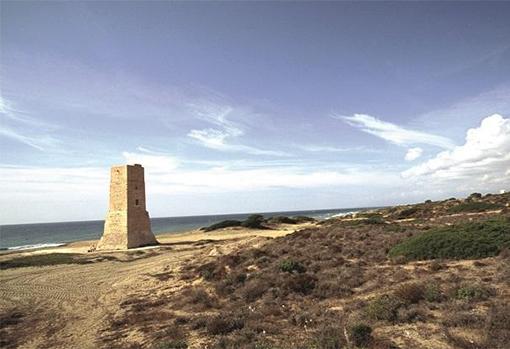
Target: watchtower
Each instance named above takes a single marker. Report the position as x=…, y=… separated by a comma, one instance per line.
x=127, y=223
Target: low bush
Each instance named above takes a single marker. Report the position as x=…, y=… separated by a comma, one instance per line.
x=199, y=297
x=473, y=207
x=173, y=344
x=301, y=283
x=432, y=293
x=328, y=337
x=383, y=308
x=406, y=213
x=221, y=225
x=360, y=334
x=230, y=283
x=462, y=241
x=410, y=293
x=464, y=319
x=291, y=266
x=255, y=221
x=435, y=265
x=331, y=286
x=472, y=292
x=254, y=289
x=497, y=328
x=281, y=220
x=410, y=313
x=42, y=260
x=224, y=324
x=374, y=220
x=303, y=219
x=172, y=337
x=211, y=271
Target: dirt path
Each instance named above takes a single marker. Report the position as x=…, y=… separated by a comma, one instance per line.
x=74, y=300
x=68, y=306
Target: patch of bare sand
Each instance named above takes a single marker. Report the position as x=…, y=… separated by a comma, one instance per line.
x=67, y=306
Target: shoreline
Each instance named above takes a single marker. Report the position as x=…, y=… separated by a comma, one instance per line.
x=164, y=239
x=17, y=237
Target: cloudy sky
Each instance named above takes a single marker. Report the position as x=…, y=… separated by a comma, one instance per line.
x=243, y=107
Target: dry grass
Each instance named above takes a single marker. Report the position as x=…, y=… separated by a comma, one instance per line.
x=326, y=287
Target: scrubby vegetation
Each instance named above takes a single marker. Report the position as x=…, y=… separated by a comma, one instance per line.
x=364, y=282
x=49, y=259
x=461, y=241
x=473, y=207
x=257, y=221
x=41, y=260
x=222, y=224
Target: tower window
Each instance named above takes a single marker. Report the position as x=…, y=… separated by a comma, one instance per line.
x=136, y=202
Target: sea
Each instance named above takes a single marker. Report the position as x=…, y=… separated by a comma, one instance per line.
x=38, y=235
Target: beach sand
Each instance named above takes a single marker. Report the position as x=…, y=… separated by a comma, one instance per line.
x=68, y=305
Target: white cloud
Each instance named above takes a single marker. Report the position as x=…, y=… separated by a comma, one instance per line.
x=218, y=138
x=483, y=160
x=35, y=141
x=166, y=176
x=331, y=149
x=413, y=154
x=74, y=189
x=24, y=128
x=157, y=163
x=394, y=133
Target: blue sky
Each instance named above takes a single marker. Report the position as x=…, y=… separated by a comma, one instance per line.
x=239, y=107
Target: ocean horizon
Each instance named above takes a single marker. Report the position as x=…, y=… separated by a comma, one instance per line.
x=38, y=235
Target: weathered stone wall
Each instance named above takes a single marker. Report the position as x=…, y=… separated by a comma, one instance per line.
x=127, y=223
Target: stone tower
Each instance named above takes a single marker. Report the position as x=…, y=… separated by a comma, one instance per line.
x=127, y=223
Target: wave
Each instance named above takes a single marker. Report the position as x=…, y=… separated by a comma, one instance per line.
x=344, y=214
x=30, y=247
x=333, y=215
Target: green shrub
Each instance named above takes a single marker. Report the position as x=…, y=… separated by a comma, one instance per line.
x=328, y=337
x=406, y=213
x=302, y=283
x=472, y=292
x=463, y=241
x=173, y=344
x=383, y=308
x=221, y=225
x=254, y=289
x=361, y=335
x=410, y=293
x=497, y=328
x=432, y=293
x=198, y=296
x=290, y=266
x=224, y=324
x=436, y=265
x=374, y=220
x=211, y=271
x=473, y=207
x=303, y=219
x=281, y=220
x=254, y=221
x=41, y=260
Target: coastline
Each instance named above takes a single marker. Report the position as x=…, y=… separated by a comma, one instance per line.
x=164, y=239
x=24, y=237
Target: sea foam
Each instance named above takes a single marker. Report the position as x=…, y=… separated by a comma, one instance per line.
x=30, y=247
